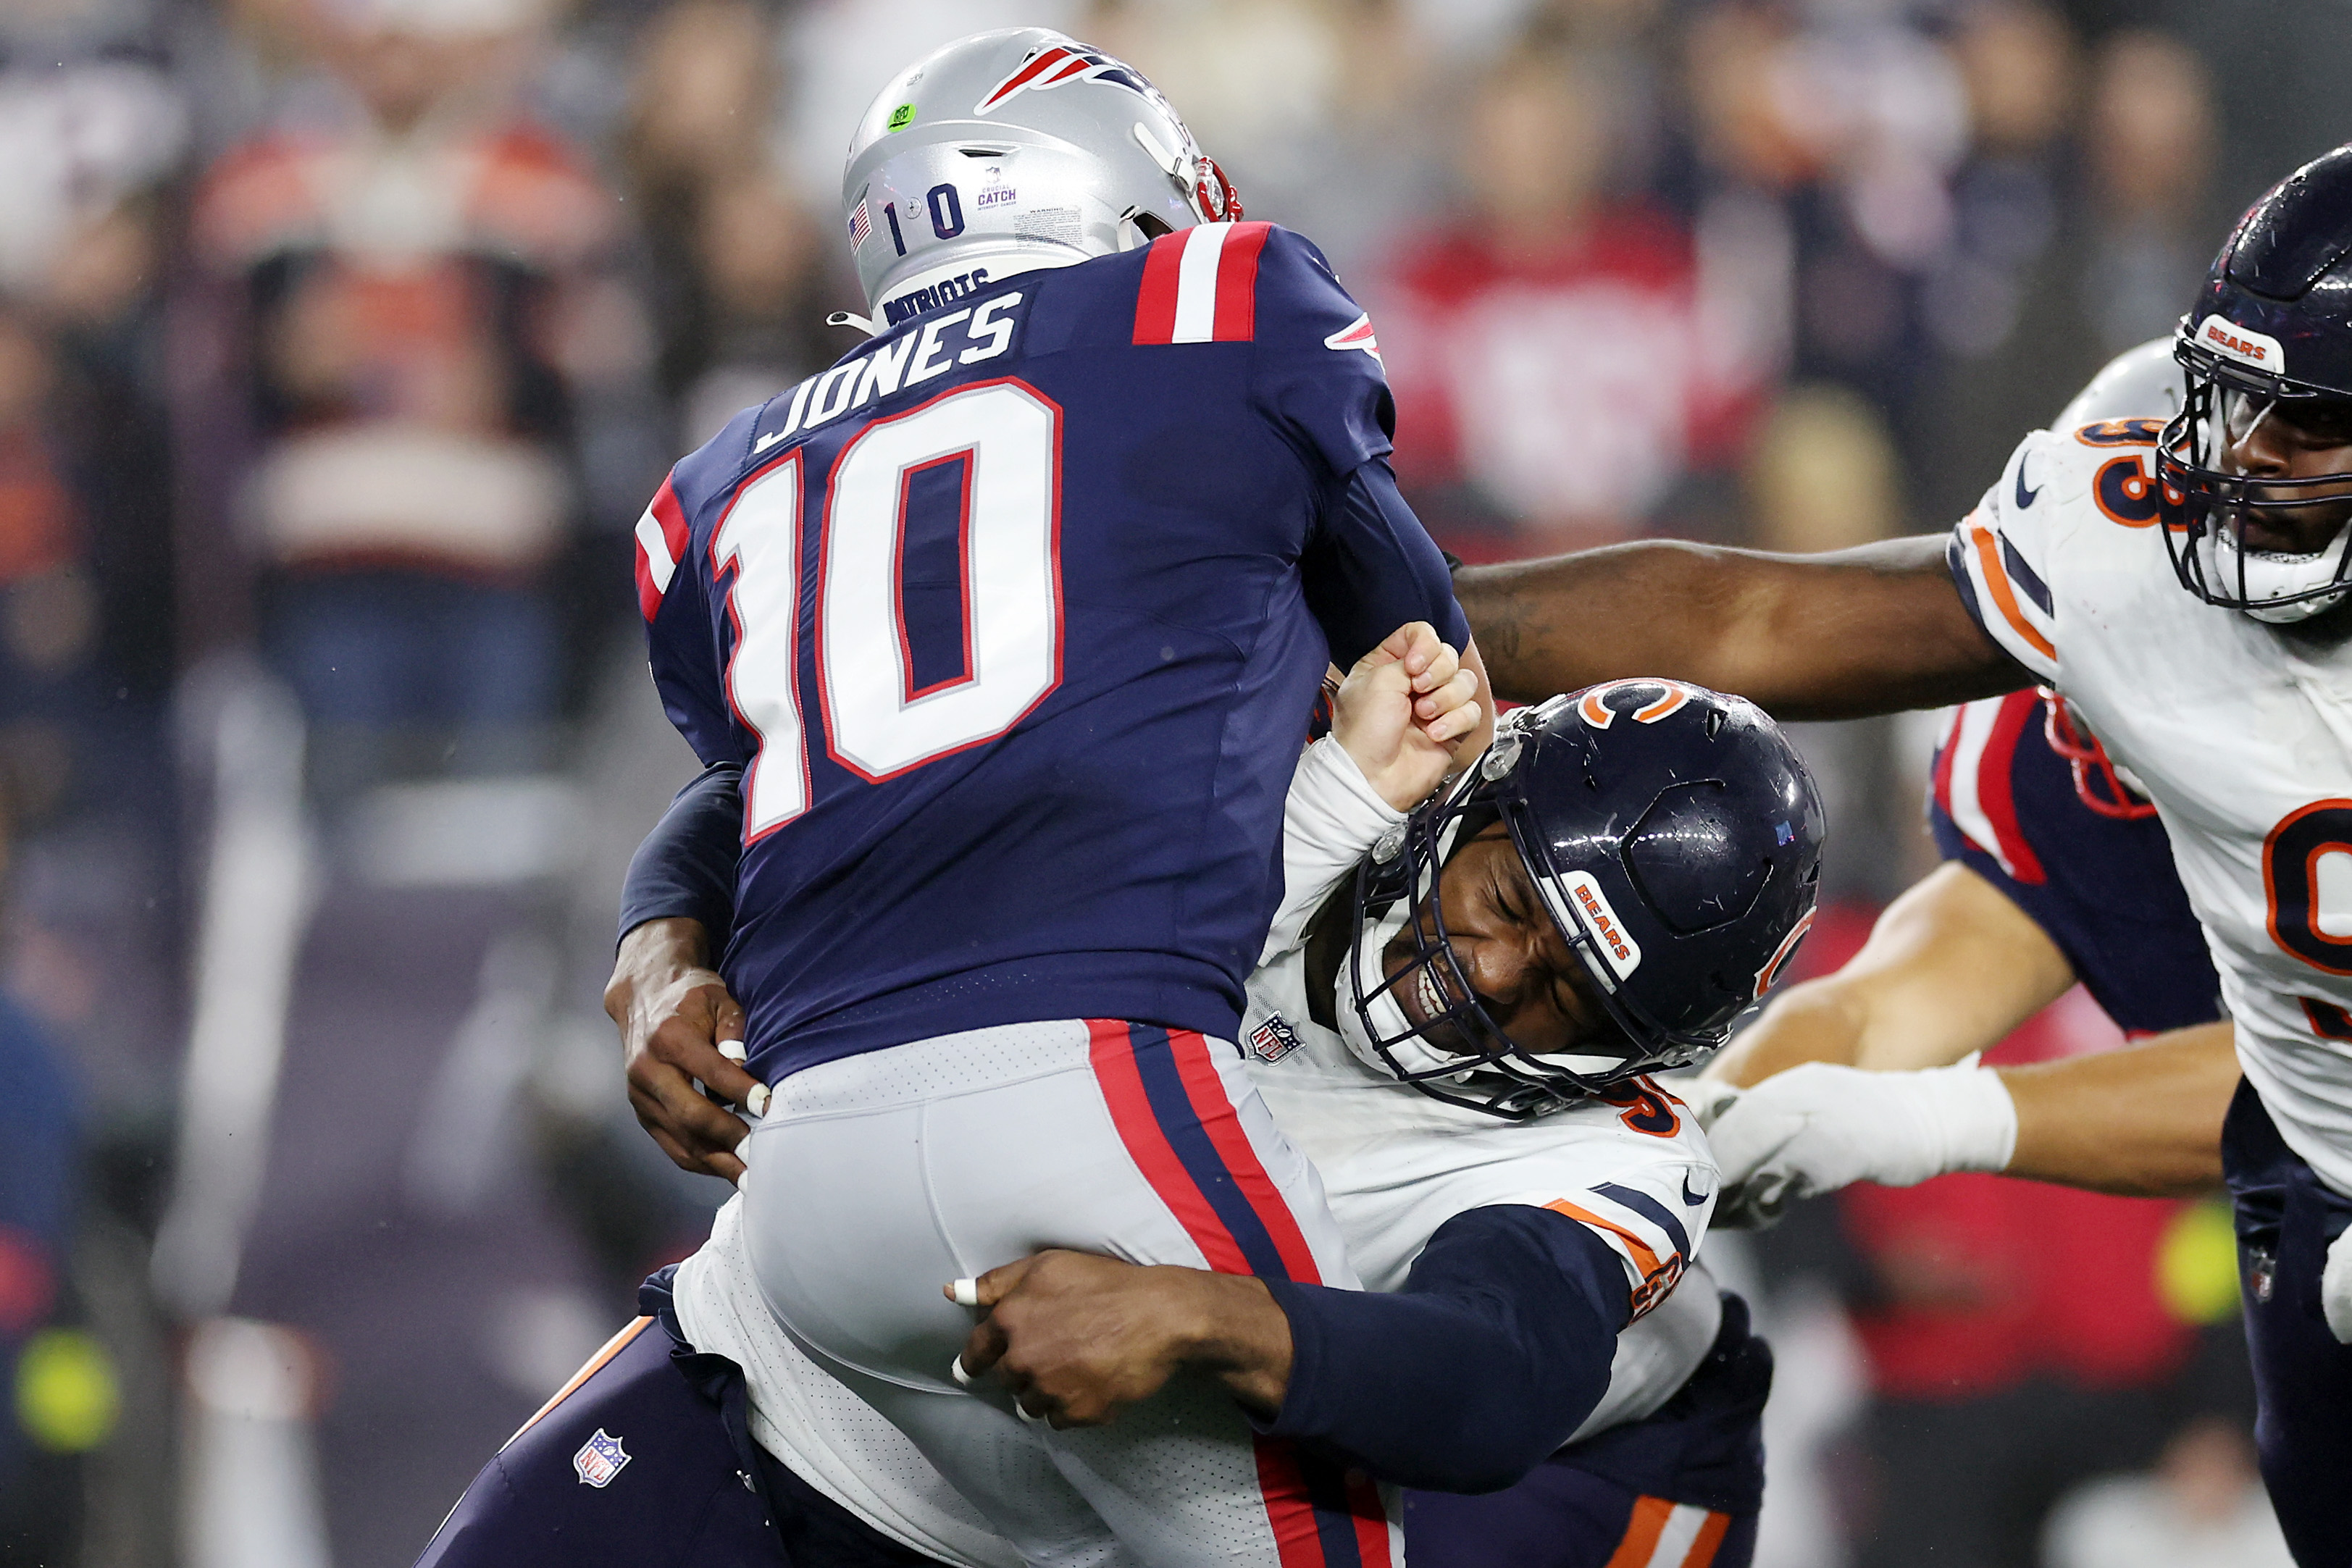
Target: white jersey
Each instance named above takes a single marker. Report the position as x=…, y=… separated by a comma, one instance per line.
x=1395, y=1163
x=2240, y=732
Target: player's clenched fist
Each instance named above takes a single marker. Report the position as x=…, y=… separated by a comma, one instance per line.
x=1076, y=1337
x=1402, y=709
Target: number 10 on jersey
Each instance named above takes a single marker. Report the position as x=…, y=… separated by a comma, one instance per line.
x=874, y=721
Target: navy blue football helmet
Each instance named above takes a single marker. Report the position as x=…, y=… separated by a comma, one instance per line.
x=2272, y=327
x=1674, y=837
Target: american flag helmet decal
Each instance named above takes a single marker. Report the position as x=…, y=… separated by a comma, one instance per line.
x=861, y=227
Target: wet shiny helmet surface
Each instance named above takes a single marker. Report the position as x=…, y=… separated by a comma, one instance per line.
x=1006, y=152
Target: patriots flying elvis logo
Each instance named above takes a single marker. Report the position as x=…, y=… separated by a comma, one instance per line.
x=1059, y=66
x=1356, y=334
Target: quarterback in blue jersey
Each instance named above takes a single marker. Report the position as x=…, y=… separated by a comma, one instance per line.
x=1004, y=616
x=1487, y=1208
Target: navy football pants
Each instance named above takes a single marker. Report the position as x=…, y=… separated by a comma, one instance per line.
x=694, y=1491
x=2302, y=1378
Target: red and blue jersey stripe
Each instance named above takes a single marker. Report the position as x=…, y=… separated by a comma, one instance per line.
x=1199, y=286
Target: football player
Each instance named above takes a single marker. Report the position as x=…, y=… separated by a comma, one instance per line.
x=1620, y=876
x=1002, y=615
x=2180, y=582
x=2055, y=870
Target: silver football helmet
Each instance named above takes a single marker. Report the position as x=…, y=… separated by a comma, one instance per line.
x=1006, y=152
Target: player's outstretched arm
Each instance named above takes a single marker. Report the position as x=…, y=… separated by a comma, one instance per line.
x=2143, y=1122
x=1951, y=966
x=1857, y=631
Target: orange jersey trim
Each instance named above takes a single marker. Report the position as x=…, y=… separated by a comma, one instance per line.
x=1644, y=1258
x=1642, y=1533
x=1997, y=581
x=613, y=1347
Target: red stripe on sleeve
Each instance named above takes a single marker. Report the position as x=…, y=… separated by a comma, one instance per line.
x=672, y=518
x=650, y=598
x=1996, y=791
x=1155, y=304
x=1289, y=1508
x=1112, y=1054
x=1238, y=284
x=1942, y=782
x=1207, y=1093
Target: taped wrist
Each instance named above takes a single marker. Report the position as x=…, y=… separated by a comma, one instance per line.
x=1970, y=1116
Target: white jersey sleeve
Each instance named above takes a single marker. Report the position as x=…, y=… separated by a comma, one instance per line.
x=1652, y=1208
x=1996, y=556
x=1330, y=821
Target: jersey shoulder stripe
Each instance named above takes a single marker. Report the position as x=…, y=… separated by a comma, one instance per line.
x=1199, y=286
x=1617, y=1215
x=661, y=545
x=1984, y=558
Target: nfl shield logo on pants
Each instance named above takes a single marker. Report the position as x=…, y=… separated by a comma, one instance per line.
x=599, y=1458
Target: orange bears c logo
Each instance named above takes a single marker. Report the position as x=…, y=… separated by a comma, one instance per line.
x=1657, y=699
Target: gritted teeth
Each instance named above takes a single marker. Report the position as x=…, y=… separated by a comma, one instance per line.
x=1426, y=992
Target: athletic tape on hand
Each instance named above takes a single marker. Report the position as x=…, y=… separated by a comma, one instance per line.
x=955, y=1370
x=756, y=1101
x=966, y=1292
x=732, y=1050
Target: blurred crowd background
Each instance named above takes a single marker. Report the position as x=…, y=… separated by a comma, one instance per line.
x=342, y=342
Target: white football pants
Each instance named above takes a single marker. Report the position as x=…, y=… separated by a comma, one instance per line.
x=877, y=1179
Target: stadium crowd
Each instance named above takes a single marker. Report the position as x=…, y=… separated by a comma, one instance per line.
x=342, y=342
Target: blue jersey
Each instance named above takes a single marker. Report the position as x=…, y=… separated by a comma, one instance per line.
x=1012, y=615
x=2028, y=801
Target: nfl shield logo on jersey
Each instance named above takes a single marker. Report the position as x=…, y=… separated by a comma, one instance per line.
x=599, y=1458
x=1273, y=1039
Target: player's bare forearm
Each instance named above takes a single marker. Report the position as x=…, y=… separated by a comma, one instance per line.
x=1077, y=1337
x=672, y=1010
x=2145, y=1121
x=1858, y=632
x=1951, y=966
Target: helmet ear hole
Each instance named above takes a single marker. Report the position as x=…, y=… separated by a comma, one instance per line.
x=1152, y=224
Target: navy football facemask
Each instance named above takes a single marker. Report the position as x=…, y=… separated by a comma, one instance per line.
x=2266, y=341
x=1674, y=839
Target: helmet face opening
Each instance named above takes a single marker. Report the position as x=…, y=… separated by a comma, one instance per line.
x=2205, y=507
x=1459, y=1052
x=1588, y=792
x=2266, y=340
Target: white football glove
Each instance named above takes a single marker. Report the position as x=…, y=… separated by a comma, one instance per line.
x=2336, y=1289
x=1816, y=1128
